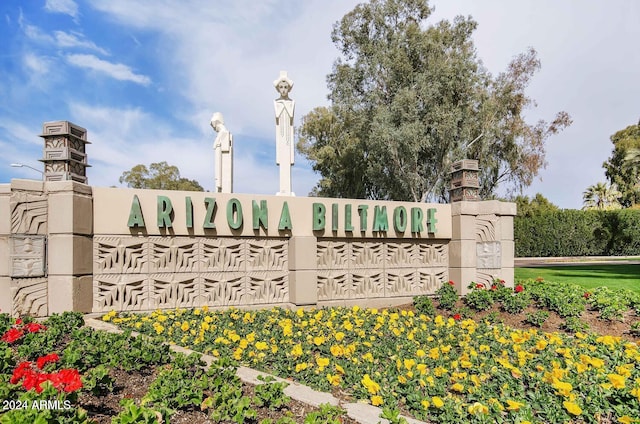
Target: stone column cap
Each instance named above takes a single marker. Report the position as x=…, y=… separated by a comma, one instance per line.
x=55, y=128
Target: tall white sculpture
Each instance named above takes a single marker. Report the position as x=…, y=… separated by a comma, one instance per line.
x=223, y=148
x=284, y=108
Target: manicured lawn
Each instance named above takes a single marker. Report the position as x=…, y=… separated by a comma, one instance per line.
x=623, y=276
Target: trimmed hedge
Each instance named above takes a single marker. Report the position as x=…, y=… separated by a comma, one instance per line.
x=572, y=232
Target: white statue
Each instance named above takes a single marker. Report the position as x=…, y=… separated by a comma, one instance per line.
x=284, y=108
x=223, y=147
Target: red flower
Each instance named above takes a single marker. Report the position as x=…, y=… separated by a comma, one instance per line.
x=479, y=286
x=18, y=321
x=451, y=283
x=457, y=317
x=586, y=295
x=12, y=335
x=518, y=288
x=503, y=282
x=21, y=370
x=494, y=287
x=34, y=327
x=44, y=360
x=67, y=380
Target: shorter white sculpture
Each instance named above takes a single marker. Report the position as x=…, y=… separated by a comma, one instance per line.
x=223, y=148
x=284, y=108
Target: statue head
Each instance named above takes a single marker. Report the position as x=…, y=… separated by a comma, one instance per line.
x=217, y=121
x=283, y=85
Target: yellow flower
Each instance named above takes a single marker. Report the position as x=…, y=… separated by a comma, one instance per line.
x=616, y=381
x=261, y=346
x=457, y=388
x=251, y=337
x=478, y=408
x=402, y=379
x=563, y=388
x=409, y=363
x=243, y=343
x=339, y=369
x=420, y=353
x=572, y=408
x=333, y=379
x=339, y=336
x=322, y=362
x=437, y=402
x=184, y=326
x=376, y=400
x=337, y=350
x=425, y=404
x=302, y=366
x=541, y=344
x=318, y=340
x=368, y=357
x=514, y=405
x=370, y=385
x=626, y=419
x=297, y=350
x=237, y=354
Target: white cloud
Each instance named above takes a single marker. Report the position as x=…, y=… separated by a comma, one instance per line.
x=67, y=7
x=114, y=70
x=64, y=39
x=38, y=65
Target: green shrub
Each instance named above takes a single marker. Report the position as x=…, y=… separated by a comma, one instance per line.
x=479, y=298
x=537, y=318
x=578, y=233
x=447, y=296
x=516, y=302
x=424, y=305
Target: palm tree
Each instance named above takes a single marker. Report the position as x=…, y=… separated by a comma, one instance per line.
x=601, y=196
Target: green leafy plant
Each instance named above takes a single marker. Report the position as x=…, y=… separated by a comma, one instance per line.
x=516, y=302
x=574, y=325
x=635, y=328
x=327, y=414
x=447, y=296
x=140, y=414
x=537, y=318
x=424, y=305
x=478, y=298
x=98, y=381
x=392, y=415
x=270, y=394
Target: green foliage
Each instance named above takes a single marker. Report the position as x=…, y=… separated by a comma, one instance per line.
x=516, y=302
x=447, y=296
x=134, y=414
x=160, y=176
x=271, y=394
x=424, y=305
x=479, y=298
x=578, y=233
x=530, y=207
x=408, y=98
x=635, y=328
x=537, y=318
x=327, y=414
x=601, y=196
x=567, y=300
x=621, y=168
x=97, y=381
x=574, y=325
x=392, y=415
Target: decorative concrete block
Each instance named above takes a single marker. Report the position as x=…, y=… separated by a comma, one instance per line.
x=302, y=253
x=462, y=277
x=70, y=213
x=29, y=296
x=6, y=298
x=303, y=287
x=70, y=255
x=5, y=210
x=27, y=256
x=462, y=254
x=4, y=256
x=68, y=293
x=508, y=251
x=464, y=227
x=506, y=227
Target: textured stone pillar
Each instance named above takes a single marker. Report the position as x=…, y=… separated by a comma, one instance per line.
x=5, y=234
x=482, y=247
x=70, y=251
x=303, y=271
x=464, y=181
x=64, y=152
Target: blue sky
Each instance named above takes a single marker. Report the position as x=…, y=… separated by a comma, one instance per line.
x=145, y=76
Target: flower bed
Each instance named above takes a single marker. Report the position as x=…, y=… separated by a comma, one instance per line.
x=435, y=368
x=59, y=371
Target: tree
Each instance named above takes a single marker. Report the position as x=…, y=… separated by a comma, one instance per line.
x=602, y=197
x=408, y=99
x=535, y=206
x=160, y=176
x=623, y=167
